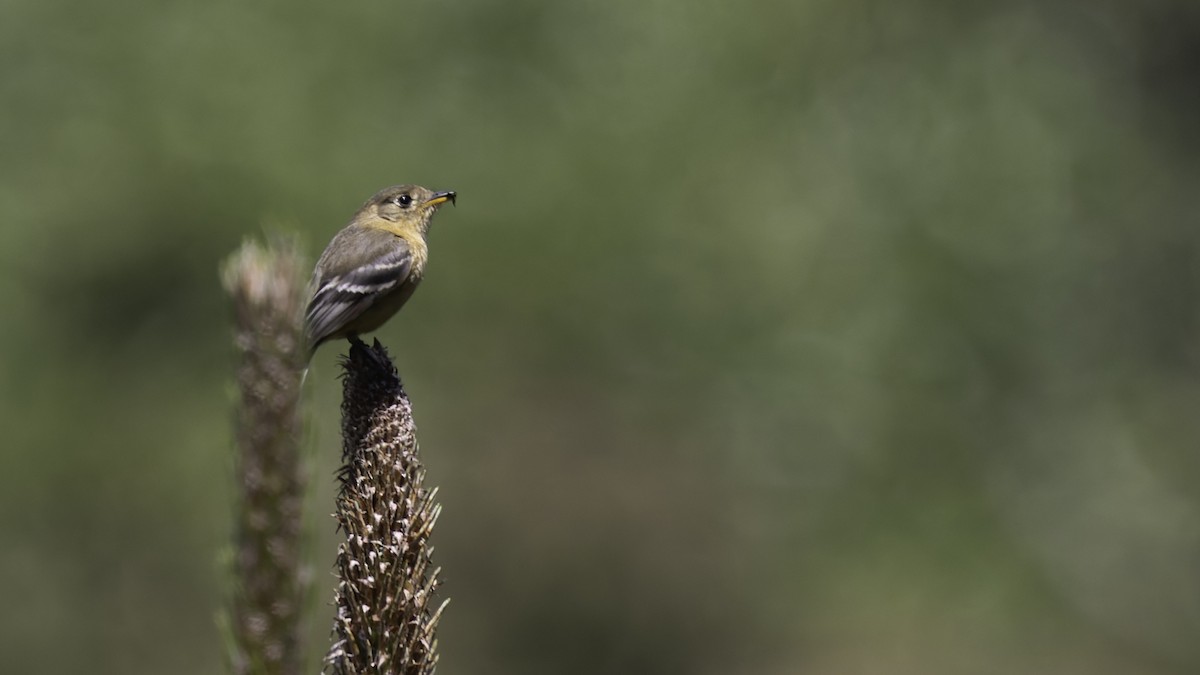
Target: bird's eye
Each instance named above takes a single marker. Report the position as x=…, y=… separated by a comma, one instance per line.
x=403, y=201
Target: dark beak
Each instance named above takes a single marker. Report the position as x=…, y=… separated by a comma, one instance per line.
x=440, y=197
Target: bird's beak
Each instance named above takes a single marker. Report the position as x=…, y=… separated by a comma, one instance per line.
x=441, y=197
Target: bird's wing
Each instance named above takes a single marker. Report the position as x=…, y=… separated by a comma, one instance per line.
x=345, y=292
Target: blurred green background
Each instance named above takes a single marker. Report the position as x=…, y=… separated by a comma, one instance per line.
x=767, y=337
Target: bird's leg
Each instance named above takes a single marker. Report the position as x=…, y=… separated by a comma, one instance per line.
x=355, y=343
x=377, y=354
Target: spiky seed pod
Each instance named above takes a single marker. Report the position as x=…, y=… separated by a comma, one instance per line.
x=386, y=622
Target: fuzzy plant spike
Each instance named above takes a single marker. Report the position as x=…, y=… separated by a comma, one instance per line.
x=386, y=617
x=270, y=584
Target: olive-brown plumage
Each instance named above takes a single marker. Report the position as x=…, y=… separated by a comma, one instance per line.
x=373, y=265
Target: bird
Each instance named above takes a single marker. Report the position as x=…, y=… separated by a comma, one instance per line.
x=372, y=266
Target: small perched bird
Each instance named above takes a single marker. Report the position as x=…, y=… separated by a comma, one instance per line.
x=373, y=265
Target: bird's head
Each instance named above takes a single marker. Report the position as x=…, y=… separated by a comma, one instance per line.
x=406, y=205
